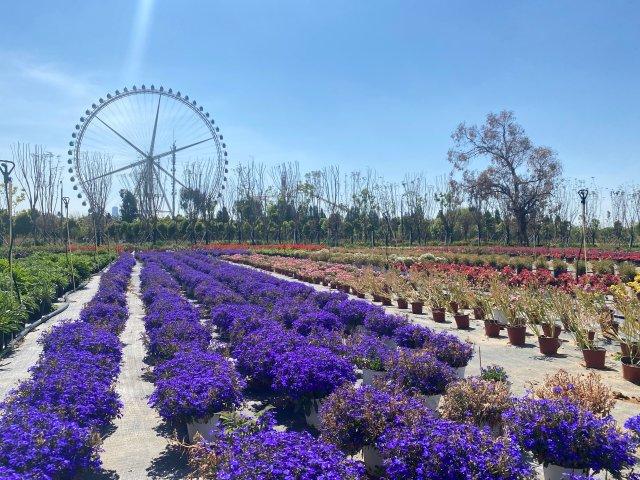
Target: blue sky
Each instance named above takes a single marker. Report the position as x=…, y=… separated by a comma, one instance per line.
x=377, y=84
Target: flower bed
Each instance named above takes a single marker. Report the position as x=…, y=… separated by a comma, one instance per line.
x=290, y=341
x=48, y=424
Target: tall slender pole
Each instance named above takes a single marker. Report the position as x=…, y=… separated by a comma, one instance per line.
x=583, y=193
x=65, y=201
x=173, y=180
x=6, y=167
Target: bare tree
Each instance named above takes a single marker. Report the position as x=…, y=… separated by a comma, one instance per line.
x=95, y=166
x=518, y=172
x=49, y=193
x=30, y=167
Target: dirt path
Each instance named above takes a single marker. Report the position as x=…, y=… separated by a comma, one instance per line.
x=524, y=365
x=15, y=367
x=138, y=446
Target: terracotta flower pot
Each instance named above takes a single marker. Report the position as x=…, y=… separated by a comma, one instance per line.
x=627, y=349
x=492, y=329
x=630, y=371
x=385, y=301
x=416, y=307
x=548, y=345
x=594, y=358
x=478, y=313
x=402, y=304
x=517, y=334
x=592, y=335
x=376, y=297
x=438, y=314
x=547, y=328
x=462, y=321
x=454, y=307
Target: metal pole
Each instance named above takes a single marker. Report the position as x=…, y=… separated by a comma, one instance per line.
x=65, y=201
x=6, y=167
x=583, y=193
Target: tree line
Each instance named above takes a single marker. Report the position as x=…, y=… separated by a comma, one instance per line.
x=502, y=189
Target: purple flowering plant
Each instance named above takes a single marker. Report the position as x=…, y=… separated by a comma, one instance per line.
x=561, y=433
x=195, y=385
x=368, y=351
x=419, y=372
x=310, y=372
x=438, y=449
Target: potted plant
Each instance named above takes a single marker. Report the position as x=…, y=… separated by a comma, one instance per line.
x=508, y=307
x=420, y=295
x=480, y=303
x=536, y=308
x=583, y=319
x=439, y=449
x=450, y=349
x=587, y=391
x=264, y=452
x=459, y=295
x=370, y=354
x=566, y=439
x=420, y=373
x=629, y=333
x=477, y=401
x=400, y=287
x=308, y=374
x=354, y=419
x=194, y=387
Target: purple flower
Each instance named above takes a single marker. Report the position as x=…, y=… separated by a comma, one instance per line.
x=383, y=324
x=419, y=372
x=310, y=372
x=368, y=351
x=354, y=417
x=559, y=432
x=44, y=445
x=195, y=385
x=438, y=449
x=412, y=335
x=450, y=349
x=269, y=454
x=310, y=321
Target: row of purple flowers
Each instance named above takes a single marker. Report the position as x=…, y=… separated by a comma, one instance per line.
x=289, y=340
x=50, y=424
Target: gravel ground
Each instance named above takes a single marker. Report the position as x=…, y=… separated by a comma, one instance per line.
x=138, y=445
x=15, y=367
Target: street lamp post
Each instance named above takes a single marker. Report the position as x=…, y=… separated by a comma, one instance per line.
x=583, y=194
x=6, y=167
x=65, y=201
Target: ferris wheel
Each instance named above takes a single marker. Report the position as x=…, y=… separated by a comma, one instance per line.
x=152, y=141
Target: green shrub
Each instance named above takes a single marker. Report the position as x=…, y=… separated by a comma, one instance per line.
x=541, y=263
x=627, y=271
x=602, y=267
x=559, y=266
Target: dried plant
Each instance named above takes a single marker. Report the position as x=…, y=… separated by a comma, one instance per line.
x=588, y=391
x=508, y=302
x=477, y=401
x=399, y=285
x=585, y=316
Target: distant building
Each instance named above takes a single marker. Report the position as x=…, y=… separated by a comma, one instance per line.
x=115, y=213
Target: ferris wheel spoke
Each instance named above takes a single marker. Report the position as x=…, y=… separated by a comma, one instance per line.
x=122, y=169
x=121, y=137
x=159, y=167
x=164, y=195
x=156, y=157
x=155, y=129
